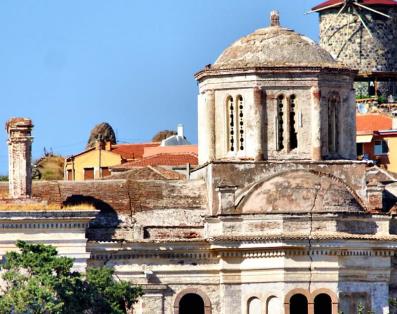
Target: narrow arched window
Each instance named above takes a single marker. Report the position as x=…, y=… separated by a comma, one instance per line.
x=298, y=304
x=254, y=306
x=293, y=133
x=333, y=125
x=231, y=124
x=322, y=304
x=240, y=124
x=280, y=123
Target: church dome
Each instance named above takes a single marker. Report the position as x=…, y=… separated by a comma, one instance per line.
x=274, y=46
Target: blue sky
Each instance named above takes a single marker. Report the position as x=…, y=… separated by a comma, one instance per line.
x=70, y=64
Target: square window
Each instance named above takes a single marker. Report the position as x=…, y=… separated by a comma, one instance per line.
x=380, y=147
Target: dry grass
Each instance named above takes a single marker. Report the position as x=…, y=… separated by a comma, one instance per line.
x=3, y=194
x=43, y=207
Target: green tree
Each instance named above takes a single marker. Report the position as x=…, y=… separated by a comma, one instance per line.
x=37, y=280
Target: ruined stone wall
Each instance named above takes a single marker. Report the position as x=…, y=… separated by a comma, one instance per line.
x=158, y=205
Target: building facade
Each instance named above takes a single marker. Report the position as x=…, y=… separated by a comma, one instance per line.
x=279, y=217
x=377, y=139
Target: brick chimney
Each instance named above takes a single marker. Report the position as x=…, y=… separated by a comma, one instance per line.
x=19, y=157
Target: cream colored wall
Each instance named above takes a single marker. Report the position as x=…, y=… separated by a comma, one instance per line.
x=92, y=159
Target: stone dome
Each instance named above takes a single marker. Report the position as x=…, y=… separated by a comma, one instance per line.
x=274, y=46
x=300, y=192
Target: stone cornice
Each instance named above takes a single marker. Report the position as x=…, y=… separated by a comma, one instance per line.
x=301, y=236
x=211, y=72
x=59, y=219
x=248, y=247
x=207, y=255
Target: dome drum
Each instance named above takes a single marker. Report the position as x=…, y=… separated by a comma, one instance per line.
x=269, y=97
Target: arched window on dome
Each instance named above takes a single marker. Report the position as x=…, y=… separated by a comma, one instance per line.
x=333, y=123
x=293, y=130
x=280, y=123
x=231, y=124
x=240, y=120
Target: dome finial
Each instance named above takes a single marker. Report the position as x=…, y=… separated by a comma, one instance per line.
x=274, y=18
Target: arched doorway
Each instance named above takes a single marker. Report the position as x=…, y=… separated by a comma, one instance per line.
x=298, y=304
x=191, y=303
x=322, y=304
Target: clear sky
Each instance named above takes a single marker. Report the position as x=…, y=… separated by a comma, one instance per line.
x=70, y=64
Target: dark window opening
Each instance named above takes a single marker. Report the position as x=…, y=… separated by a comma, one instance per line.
x=381, y=147
x=322, y=304
x=333, y=124
x=298, y=304
x=360, y=149
x=232, y=135
x=280, y=123
x=191, y=304
x=293, y=134
x=241, y=121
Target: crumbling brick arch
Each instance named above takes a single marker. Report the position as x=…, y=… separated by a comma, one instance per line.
x=204, y=297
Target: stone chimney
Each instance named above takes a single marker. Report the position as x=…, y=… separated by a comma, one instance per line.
x=274, y=18
x=19, y=157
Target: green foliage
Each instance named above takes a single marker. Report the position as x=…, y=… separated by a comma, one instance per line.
x=362, y=96
x=37, y=280
x=3, y=178
x=382, y=99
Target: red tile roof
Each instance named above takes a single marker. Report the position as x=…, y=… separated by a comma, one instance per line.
x=173, y=159
x=147, y=173
x=336, y=3
x=132, y=151
x=150, y=151
x=367, y=123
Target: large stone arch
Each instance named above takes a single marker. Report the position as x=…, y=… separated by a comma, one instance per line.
x=181, y=294
x=269, y=193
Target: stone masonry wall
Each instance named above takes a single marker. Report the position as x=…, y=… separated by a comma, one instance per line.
x=349, y=42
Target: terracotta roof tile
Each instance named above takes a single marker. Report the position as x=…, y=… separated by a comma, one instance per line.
x=173, y=159
x=149, y=151
x=364, y=2
x=367, y=123
x=147, y=173
x=132, y=151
